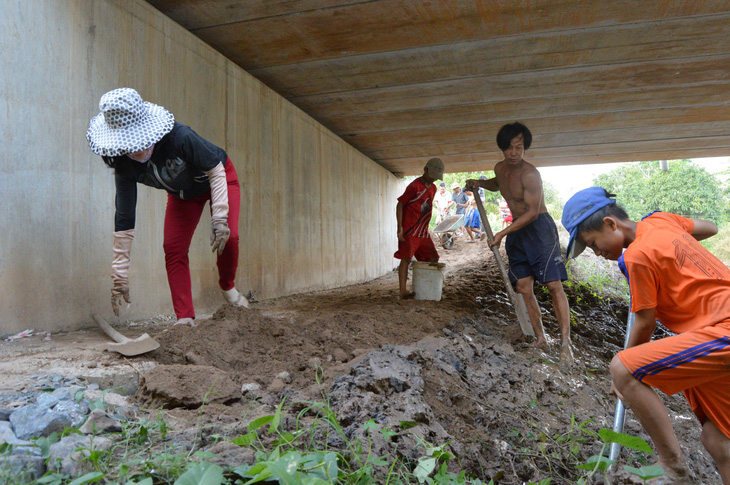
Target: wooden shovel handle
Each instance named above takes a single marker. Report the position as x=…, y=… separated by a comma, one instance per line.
x=116, y=336
x=495, y=249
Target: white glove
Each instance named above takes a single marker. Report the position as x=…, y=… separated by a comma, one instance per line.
x=120, y=268
x=219, y=231
x=219, y=234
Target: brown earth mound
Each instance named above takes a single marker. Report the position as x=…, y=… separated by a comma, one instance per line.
x=188, y=386
x=459, y=368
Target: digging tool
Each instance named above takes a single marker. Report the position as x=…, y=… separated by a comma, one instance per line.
x=126, y=346
x=618, y=416
x=517, y=300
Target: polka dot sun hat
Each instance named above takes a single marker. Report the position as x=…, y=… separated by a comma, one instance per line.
x=127, y=124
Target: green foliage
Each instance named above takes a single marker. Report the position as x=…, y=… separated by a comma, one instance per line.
x=592, y=279
x=719, y=245
x=203, y=473
x=646, y=472
x=686, y=189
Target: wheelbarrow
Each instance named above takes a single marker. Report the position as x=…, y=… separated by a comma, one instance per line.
x=446, y=229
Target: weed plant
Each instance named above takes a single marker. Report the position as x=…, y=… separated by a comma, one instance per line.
x=143, y=455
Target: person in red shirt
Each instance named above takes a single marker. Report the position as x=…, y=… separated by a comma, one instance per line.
x=413, y=213
x=674, y=279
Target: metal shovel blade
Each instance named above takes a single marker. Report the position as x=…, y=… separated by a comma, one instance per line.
x=126, y=346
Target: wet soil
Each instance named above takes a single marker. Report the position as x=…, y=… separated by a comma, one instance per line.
x=460, y=369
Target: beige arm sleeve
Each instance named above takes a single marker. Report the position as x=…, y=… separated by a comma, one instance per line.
x=218, y=193
x=120, y=262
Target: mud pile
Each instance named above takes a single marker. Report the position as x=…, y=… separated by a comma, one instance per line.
x=458, y=371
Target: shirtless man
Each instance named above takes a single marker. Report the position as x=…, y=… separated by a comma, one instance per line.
x=532, y=243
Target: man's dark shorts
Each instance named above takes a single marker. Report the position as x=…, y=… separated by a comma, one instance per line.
x=534, y=250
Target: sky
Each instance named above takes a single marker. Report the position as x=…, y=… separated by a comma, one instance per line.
x=570, y=179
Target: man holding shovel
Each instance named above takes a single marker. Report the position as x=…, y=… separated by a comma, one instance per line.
x=532, y=244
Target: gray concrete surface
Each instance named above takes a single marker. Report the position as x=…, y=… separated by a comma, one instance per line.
x=315, y=212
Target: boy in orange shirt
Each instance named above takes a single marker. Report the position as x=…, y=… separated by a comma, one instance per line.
x=674, y=279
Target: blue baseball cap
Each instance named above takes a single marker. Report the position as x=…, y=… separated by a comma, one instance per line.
x=580, y=207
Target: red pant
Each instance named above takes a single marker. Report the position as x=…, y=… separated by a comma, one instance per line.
x=181, y=219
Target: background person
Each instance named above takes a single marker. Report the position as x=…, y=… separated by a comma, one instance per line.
x=144, y=145
x=442, y=203
x=504, y=213
x=460, y=201
x=413, y=213
x=471, y=224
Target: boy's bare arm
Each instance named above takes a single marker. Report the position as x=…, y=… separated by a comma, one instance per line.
x=703, y=229
x=399, y=219
x=644, y=326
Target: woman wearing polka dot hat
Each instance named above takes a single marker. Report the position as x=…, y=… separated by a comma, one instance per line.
x=143, y=144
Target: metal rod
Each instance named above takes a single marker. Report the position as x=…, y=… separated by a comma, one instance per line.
x=618, y=418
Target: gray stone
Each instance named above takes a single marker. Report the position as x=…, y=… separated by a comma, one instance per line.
x=47, y=400
x=250, y=387
x=284, y=376
x=109, y=398
x=125, y=383
x=67, y=456
x=67, y=393
x=125, y=413
x=8, y=436
x=21, y=468
x=75, y=412
x=99, y=422
x=34, y=420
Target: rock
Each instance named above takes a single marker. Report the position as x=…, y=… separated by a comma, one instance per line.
x=67, y=456
x=9, y=408
x=21, y=468
x=99, y=422
x=229, y=455
x=8, y=436
x=125, y=382
x=109, y=398
x=47, y=400
x=66, y=393
x=276, y=386
x=187, y=386
x=125, y=413
x=75, y=412
x=33, y=420
x=504, y=349
x=284, y=376
x=340, y=355
x=250, y=387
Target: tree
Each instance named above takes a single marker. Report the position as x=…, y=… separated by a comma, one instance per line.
x=686, y=189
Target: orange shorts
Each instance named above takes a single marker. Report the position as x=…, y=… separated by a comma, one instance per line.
x=696, y=363
x=421, y=247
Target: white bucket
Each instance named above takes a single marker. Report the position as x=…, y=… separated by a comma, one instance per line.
x=428, y=280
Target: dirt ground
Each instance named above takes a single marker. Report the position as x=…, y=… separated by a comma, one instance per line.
x=459, y=367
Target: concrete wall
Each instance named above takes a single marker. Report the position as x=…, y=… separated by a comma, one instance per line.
x=315, y=212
